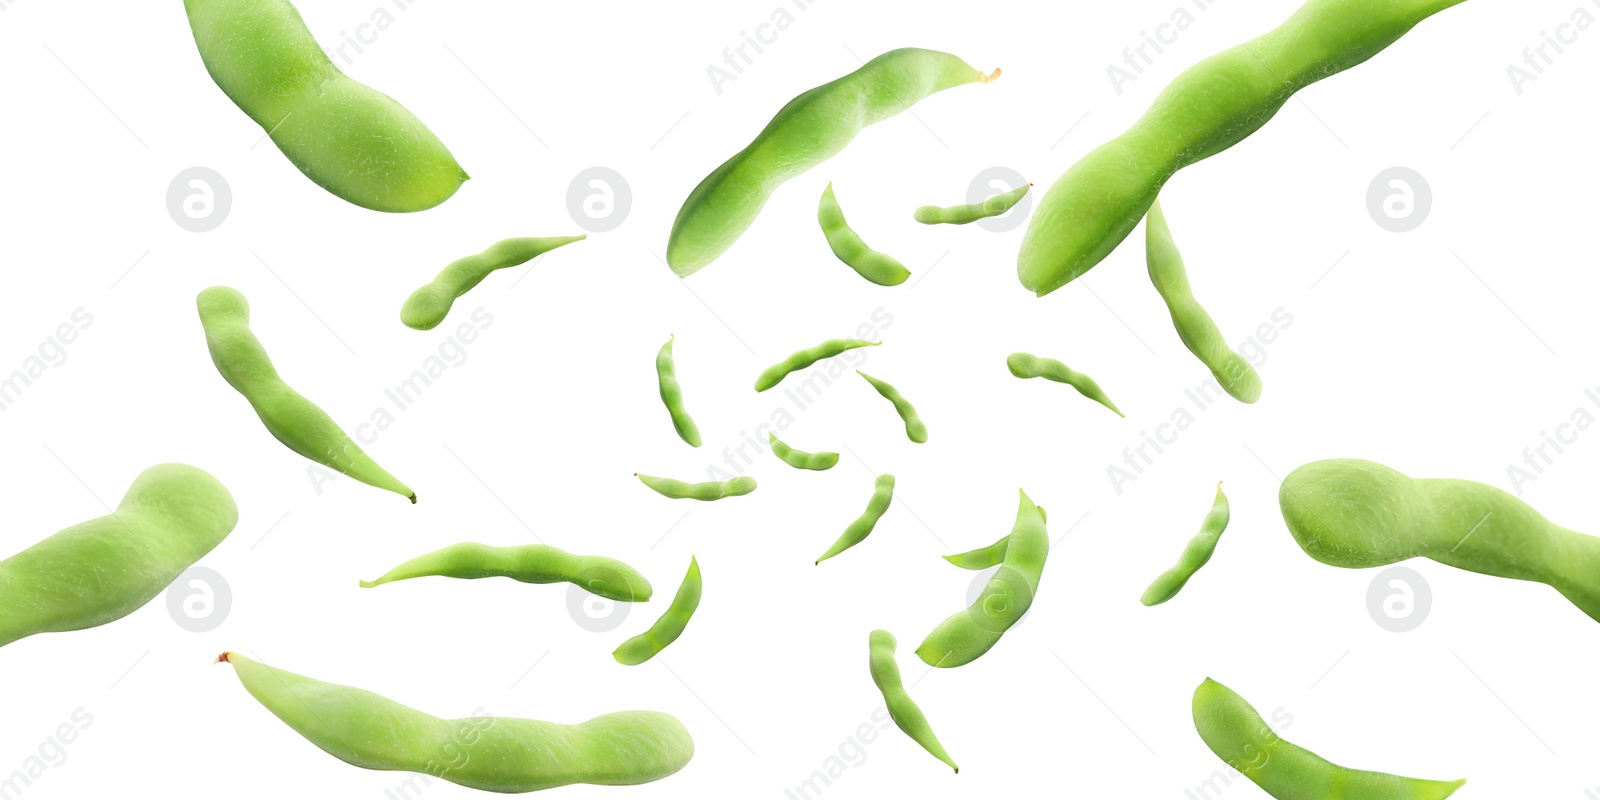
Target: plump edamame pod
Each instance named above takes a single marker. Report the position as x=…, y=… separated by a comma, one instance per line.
x=1027, y=365
x=429, y=305
x=1351, y=513
x=810, y=129
x=295, y=421
x=669, y=627
x=708, y=490
x=857, y=531
x=968, y=634
x=102, y=570
x=799, y=459
x=1195, y=554
x=902, y=709
x=494, y=754
x=846, y=244
x=528, y=563
x=961, y=215
x=1212, y=106
x=800, y=359
x=915, y=430
x=348, y=138
x=1195, y=327
x=1239, y=736
x=989, y=556
x=672, y=395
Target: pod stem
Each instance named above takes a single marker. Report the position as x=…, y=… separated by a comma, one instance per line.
x=992, y=77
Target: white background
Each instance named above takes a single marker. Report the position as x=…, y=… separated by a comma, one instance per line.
x=1442, y=352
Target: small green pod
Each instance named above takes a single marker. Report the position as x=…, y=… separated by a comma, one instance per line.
x=429, y=305
x=292, y=419
x=707, y=490
x=861, y=528
x=846, y=244
x=485, y=752
x=800, y=359
x=528, y=563
x=968, y=634
x=902, y=709
x=916, y=431
x=1195, y=554
x=1027, y=365
x=1235, y=731
x=102, y=570
x=988, y=556
x=669, y=627
x=348, y=138
x=799, y=459
x=672, y=395
x=960, y=215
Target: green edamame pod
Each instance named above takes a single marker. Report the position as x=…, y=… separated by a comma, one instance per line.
x=846, y=244
x=1027, y=365
x=1239, y=736
x=429, y=305
x=902, y=709
x=990, y=556
x=915, y=430
x=800, y=359
x=961, y=215
x=295, y=421
x=1195, y=327
x=669, y=627
x=104, y=569
x=494, y=754
x=708, y=490
x=810, y=129
x=800, y=459
x=672, y=395
x=1357, y=514
x=968, y=634
x=1195, y=554
x=1212, y=106
x=528, y=563
x=861, y=528
x=348, y=138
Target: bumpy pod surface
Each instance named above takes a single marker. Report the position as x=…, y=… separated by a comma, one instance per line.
x=669, y=626
x=672, y=395
x=102, y=570
x=1195, y=554
x=810, y=129
x=528, y=563
x=846, y=244
x=800, y=359
x=706, y=490
x=907, y=716
x=857, y=531
x=429, y=305
x=799, y=459
x=916, y=431
x=1027, y=365
x=348, y=138
x=968, y=634
x=972, y=212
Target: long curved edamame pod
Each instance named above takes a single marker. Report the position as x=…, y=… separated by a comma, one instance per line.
x=810, y=129
x=968, y=634
x=800, y=359
x=1212, y=106
x=902, y=709
x=707, y=490
x=669, y=627
x=1351, y=513
x=429, y=305
x=528, y=563
x=348, y=138
x=846, y=244
x=1195, y=554
x=102, y=570
x=857, y=532
x=916, y=431
x=961, y=215
x=495, y=754
x=295, y=421
x=1027, y=365
x=988, y=556
x=672, y=395
x=1195, y=327
x=1239, y=736
x=799, y=459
